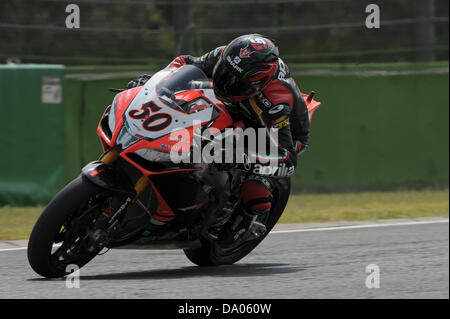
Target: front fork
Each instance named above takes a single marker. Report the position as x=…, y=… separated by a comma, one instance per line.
x=103, y=174
x=141, y=185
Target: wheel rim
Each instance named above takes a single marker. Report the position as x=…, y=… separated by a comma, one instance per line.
x=226, y=252
x=72, y=245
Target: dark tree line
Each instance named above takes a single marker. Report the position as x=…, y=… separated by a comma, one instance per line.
x=137, y=31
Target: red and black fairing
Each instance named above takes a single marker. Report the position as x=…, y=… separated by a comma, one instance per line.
x=144, y=124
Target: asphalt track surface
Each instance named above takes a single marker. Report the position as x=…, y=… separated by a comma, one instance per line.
x=413, y=260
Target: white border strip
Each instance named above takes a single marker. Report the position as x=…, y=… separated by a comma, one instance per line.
x=440, y=221
x=12, y=249
x=21, y=248
x=359, y=226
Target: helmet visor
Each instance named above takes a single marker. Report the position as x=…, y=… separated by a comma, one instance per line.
x=228, y=84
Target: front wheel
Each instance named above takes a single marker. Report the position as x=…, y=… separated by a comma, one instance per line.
x=61, y=236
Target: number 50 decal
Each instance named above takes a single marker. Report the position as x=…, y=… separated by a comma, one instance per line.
x=163, y=119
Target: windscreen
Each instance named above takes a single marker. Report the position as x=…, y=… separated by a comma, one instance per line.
x=175, y=88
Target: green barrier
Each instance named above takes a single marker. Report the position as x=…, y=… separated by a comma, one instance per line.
x=74, y=95
x=377, y=132
x=32, y=133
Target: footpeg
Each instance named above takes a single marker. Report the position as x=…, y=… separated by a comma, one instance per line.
x=256, y=230
x=243, y=228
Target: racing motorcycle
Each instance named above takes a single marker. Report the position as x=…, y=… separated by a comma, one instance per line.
x=135, y=183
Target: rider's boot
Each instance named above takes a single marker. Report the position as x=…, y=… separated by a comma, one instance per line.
x=248, y=224
x=243, y=227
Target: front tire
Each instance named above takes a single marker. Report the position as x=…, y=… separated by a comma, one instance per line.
x=54, y=220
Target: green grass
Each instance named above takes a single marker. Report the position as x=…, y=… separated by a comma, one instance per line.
x=17, y=222
x=310, y=208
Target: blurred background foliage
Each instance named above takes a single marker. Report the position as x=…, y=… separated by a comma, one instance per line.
x=154, y=31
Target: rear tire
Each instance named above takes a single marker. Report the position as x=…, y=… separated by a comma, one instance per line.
x=200, y=256
x=58, y=212
x=210, y=253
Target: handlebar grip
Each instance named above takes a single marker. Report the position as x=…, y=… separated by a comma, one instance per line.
x=310, y=96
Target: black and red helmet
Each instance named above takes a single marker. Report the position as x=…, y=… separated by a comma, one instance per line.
x=244, y=67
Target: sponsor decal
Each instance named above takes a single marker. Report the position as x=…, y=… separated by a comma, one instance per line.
x=282, y=70
x=51, y=90
x=280, y=123
x=264, y=100
x=276, y=109
x=96, y=172
x=234, y=64
x=280, y=171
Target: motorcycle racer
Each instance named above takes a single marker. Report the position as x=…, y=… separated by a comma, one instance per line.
x=255, y=84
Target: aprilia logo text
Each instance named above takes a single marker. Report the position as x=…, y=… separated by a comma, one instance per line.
x=280, y=171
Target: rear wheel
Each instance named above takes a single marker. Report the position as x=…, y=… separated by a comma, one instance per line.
x=67, y=221
x=210, y=254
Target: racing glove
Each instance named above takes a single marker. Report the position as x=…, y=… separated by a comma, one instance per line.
x=139, y=81
x=300, y=147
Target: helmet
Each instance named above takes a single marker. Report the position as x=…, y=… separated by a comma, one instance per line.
x=244, y=68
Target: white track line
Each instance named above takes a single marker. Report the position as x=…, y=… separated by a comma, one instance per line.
x=359, y=226
x=21, y=248
x=440, y=221
x=12, y=249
